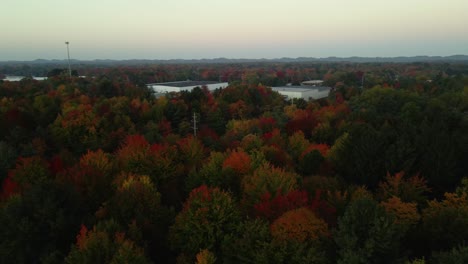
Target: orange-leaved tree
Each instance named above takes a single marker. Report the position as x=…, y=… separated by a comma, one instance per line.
x=408, y=189
x=299, y=225
x=406, y=214
x=239, y=161
x=205, y=257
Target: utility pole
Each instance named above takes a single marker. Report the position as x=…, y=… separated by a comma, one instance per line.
x=68, y=53
x=194, y=120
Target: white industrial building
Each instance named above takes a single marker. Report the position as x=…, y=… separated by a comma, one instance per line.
x=14, y=78
x=312, y=83
x=304, y=92
x=168, y=87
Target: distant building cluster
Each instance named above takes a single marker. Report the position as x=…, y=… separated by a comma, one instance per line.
x=307, y=90
x=180, y=86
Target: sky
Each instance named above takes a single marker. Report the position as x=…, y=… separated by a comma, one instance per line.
x=196, y=29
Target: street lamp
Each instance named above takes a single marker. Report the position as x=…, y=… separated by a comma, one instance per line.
x=68, y=53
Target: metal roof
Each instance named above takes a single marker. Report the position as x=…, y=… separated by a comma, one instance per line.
x=302, y=88
x=290, y=88
x=185, y=83
x=312, y=82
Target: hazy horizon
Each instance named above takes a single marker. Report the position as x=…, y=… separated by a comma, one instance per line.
x=255, y=29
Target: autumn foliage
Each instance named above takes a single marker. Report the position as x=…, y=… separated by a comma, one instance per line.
x=239, y=161
x=100, y=169
x=406, y=214
x=106, y=247
x=272, y=206
x=300, y=225
x=267, y=178
x=207, y=215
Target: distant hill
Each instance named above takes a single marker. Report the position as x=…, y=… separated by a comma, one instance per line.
x=453, y=58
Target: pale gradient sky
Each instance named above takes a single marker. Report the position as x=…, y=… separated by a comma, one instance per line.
x=194, y=29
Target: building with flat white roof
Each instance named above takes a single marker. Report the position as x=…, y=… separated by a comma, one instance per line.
x=304, y=92
x=12, y=78
x=168, y=87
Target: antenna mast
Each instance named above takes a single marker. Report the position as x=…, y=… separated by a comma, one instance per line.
x=68, y=54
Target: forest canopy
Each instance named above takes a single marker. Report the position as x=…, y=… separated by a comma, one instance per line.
x=95, y=168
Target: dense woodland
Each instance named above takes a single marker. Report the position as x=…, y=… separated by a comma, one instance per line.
x=98, y=170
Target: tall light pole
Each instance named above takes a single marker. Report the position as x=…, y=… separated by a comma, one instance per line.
x=68, y=53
